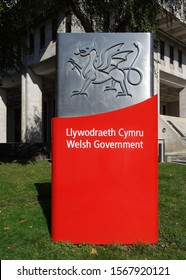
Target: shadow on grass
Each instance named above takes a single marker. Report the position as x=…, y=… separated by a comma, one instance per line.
x=44, y=199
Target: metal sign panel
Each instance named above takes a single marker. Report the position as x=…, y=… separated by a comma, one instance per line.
x=102, y=72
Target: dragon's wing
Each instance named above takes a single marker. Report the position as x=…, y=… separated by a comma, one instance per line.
x=121, y=57
x=114, y=61
x=111, y=57
x=102, y=59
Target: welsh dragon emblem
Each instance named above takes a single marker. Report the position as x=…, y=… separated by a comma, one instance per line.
x=115, y=64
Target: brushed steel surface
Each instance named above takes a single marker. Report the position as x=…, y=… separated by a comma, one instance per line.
x=102, y=72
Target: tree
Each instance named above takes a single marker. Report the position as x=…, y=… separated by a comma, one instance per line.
x=14, y=14
x=118, y=15
x=94, y=16
x=9, y=42
x=104, y=16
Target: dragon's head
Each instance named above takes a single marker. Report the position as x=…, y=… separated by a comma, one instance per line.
x=84, y=51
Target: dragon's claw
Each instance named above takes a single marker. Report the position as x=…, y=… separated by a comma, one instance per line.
x=120, y=94
x=75, y=92
x=84, y=93
x=109, y=88
x=123, y=94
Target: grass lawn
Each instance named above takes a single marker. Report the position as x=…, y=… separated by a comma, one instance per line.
x=25, y=192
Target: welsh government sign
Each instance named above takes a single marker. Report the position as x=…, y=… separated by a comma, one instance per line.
x=104, y=145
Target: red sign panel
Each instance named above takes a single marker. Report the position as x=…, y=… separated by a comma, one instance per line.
x=104, y=176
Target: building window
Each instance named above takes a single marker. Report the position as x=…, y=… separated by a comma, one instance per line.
x=162, y=50
x=31, y=43
x=180, y=58
x=17, y=118
x=42, y=37
x=171, y=54
x=164, y=109
x=54, y=29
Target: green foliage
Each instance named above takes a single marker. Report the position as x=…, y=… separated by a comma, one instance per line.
x=114, y=15
x=10, y=42
x=25, y=213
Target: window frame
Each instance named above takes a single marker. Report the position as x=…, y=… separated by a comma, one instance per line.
x=162, y=50
x=171, y=54
x=180, y=58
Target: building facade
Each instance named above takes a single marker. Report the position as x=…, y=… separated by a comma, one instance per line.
x=28, y=99
x=170, y=78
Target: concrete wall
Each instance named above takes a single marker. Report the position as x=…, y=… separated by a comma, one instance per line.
x=173, y=141
x=31, y=106
x=171, y=75
x=182, y=96
x=174, y=68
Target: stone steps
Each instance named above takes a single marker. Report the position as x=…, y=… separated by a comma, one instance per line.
x=176, y=158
